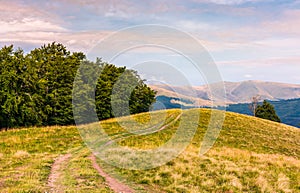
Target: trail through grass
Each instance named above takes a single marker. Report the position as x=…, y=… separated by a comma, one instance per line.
x=55, y=174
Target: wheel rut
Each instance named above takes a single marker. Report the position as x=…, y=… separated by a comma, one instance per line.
x=55, y=173
x=113, y=183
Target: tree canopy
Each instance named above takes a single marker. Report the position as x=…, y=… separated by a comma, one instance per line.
x=36, y=88
x=267, y=111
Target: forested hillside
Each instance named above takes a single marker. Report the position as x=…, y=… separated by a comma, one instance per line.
x=36, y=87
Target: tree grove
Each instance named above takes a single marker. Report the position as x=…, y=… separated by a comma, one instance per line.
x=36, y=88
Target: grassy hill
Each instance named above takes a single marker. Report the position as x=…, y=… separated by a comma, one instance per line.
x=250, y=155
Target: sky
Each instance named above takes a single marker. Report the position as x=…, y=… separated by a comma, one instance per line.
x=246, y=39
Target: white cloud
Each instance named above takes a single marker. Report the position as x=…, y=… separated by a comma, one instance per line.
x=194, y=26
x=29, y=24
x=81, y=41
x=248, y=76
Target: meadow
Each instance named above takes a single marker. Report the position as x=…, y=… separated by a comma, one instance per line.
x=250, y=155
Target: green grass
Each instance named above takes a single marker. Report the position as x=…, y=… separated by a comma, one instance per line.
x=26, y=156
x=250, y=155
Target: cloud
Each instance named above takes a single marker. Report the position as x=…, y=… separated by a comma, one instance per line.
x=40, y=23
x=29, y=24
x=248, y=76
x=267, y=62
x=288, y=23
x=229, y=2
x=280, y=35
x=18, y=17
x=128, y=9
x=195, y=26
x=120, y=9
x=16, y=10
x=80, y=41
x=281, y=43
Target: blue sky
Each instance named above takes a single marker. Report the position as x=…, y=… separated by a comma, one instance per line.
x=247, y=39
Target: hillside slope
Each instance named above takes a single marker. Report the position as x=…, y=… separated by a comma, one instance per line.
x=250, y=155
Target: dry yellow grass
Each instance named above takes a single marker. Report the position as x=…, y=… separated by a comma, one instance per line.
x=250, y=155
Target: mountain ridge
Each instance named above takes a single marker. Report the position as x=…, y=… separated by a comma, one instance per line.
x=235, y=92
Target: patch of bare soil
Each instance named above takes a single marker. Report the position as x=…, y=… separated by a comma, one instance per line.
x=55, y=173
x=113, y=183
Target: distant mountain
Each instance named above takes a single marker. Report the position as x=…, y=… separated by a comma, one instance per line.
x=236, y=92
x=287, y=110
x=282, y=96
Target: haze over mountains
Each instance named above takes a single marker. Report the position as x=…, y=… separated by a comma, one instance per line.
x=236, y=92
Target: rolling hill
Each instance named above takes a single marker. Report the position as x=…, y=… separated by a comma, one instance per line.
x=250, y=155
x=236, y=92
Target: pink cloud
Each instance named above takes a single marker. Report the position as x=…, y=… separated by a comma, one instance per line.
x=29, y=24
x=81, y=41
x=293, y=60
x=288, y=24
x=227, y=2
x=14, y=10
x=126, y=8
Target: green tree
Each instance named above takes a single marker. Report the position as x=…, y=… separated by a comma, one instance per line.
x=141, y=98
x=267, y=111
x=109, y=75
x=84, y=92
x=14, y=108
x=120, y=92
x=117, y=92
x=36, y=88
x=54, y=69
x=8, y=100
